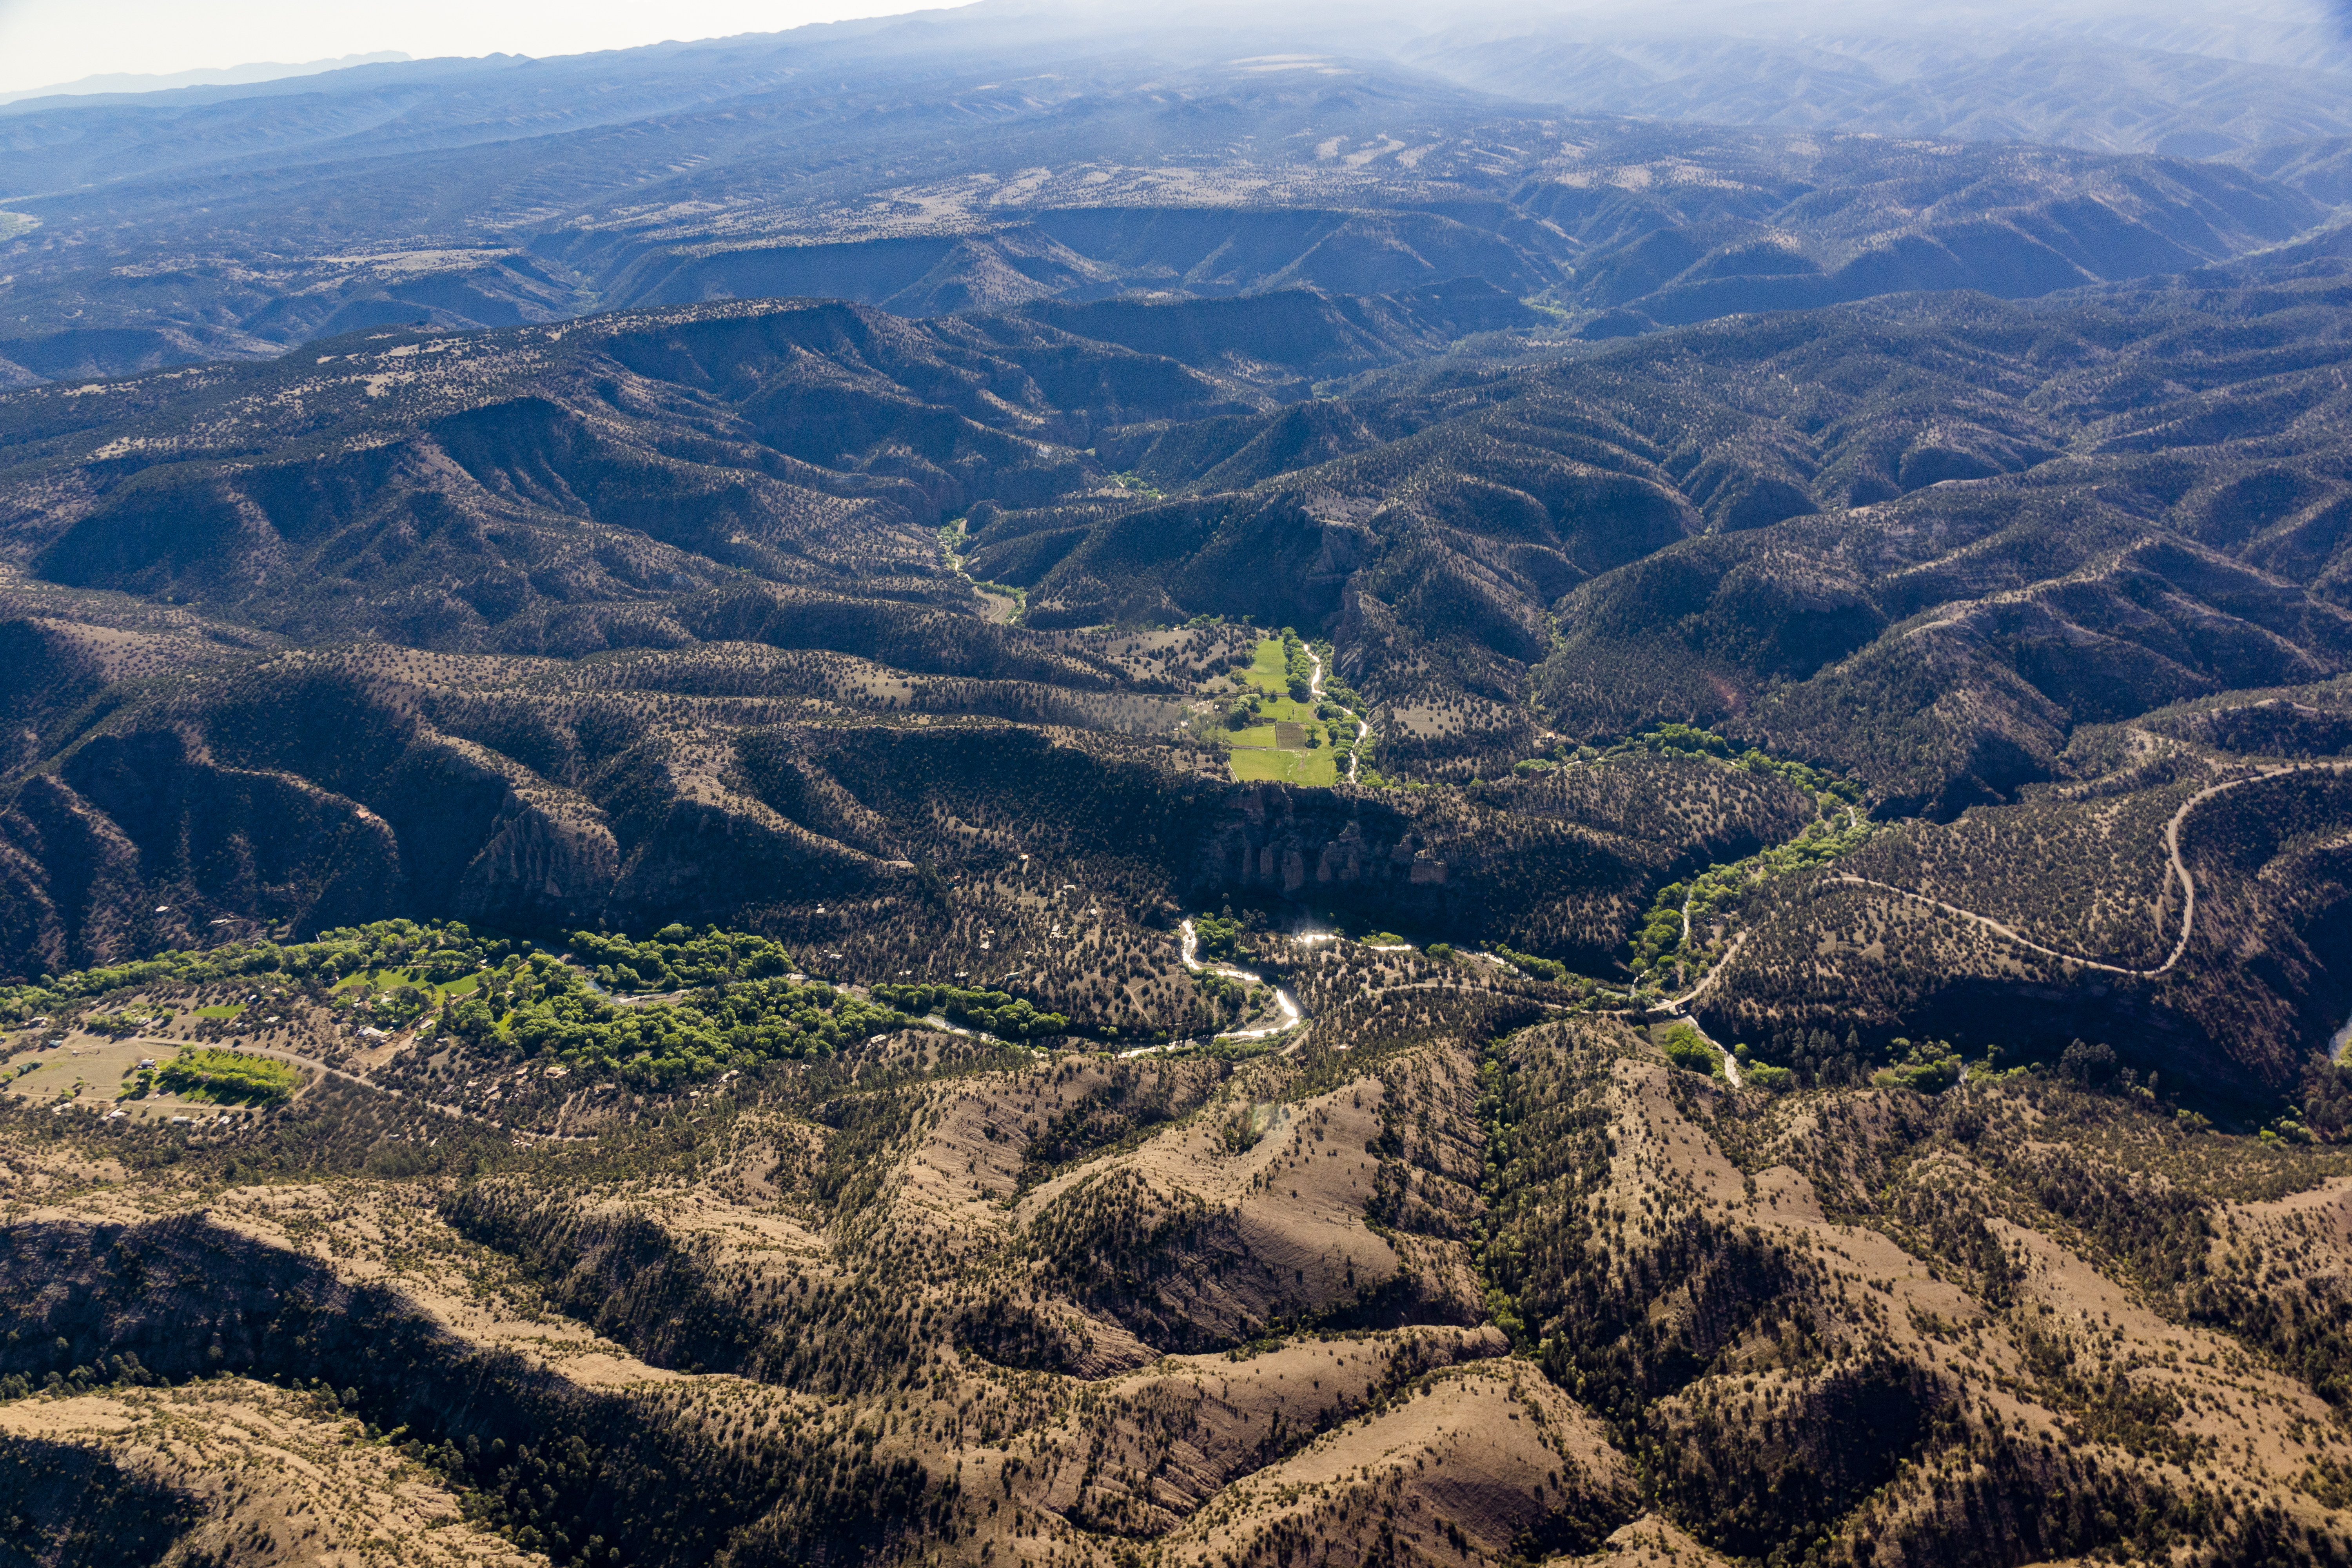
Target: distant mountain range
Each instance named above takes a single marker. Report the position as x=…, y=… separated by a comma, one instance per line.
x=118, y=84
x=983, y=158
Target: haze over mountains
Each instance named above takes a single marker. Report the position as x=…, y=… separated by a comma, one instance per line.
x=1298, y=789
x=949, y=161
x=134, y=82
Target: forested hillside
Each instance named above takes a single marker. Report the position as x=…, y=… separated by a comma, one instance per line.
x=505, y=626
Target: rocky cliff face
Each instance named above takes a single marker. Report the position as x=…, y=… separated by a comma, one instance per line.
x=1560, y=862
x=1276, y=840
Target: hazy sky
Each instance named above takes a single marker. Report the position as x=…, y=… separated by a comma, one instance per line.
x=50, y=41
x=46, y=41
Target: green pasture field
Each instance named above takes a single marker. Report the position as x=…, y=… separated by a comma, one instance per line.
x=227, y=1078
x=391, y=979
x=1271, y=675
x=1268, y=670
x=1319, y=766
x=1272, y=709
x=107, y=1073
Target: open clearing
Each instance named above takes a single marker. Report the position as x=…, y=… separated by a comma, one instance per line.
x=376, y=979
x=93, y=1072
x=1256, y=754
x=1268, y=670
x=1318, y=767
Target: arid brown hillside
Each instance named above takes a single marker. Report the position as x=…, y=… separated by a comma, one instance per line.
x=1456, y=1272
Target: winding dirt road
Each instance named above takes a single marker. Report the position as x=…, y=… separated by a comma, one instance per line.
x=303, y=1059
x=2177, y=867
x=1674, y=1005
